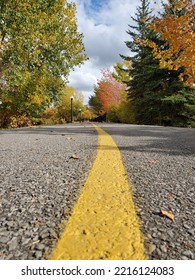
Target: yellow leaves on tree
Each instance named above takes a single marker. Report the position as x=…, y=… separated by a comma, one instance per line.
x=177, y=27
x=87, y=115
x=65, y=103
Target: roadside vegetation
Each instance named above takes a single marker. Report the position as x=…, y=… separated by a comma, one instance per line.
x=40, y=44
x=157, y=79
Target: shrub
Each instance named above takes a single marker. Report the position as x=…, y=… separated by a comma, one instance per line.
x=19, y=121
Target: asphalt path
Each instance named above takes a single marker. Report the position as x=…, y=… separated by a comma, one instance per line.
x=103, y=224
x=160, y=163
x=43, y=169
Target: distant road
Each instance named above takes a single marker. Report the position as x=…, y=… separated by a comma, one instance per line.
x=43, y=169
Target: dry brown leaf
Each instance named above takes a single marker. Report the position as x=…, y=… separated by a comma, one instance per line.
x=152, y=161
x=74, y=157
x=168, y=214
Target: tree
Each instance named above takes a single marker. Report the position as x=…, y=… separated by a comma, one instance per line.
x=146, y=84
x=108, y=94
x=151, y=88
x=109, y=90
x=121, y=71
x=122, y=112
x=64, y=104
x=40, y=44
x=87, y=115
x=95, y=103
x=176, y=27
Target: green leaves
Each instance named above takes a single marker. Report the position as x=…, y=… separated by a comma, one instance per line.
x=64, y=103
x=41, y=43
x=155, y=89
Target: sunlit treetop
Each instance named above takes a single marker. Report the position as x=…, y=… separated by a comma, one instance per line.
x=177, y=29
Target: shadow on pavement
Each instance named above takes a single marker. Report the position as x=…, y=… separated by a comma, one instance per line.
x=53, y=130
x=163, y=140
x=153, y=139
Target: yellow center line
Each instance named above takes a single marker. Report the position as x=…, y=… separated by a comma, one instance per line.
x=103, y=224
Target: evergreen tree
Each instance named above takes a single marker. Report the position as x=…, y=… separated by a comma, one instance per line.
x=146, y=84
x=95, y=102
x=152, y=88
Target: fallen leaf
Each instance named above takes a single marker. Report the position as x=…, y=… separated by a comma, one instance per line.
x=168, y=214
x=152, y=161
x=35, y=242
x=53, y=235
x=74, y=157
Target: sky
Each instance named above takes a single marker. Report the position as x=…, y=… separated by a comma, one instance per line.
x=104, y=24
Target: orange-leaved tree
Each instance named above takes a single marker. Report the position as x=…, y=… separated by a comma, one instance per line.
x=177, y=29
x=109, y=90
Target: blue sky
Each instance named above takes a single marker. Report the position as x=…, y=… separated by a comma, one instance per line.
x=96, y=5
x=104, y=24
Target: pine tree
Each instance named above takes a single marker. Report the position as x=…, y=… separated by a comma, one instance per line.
x=152, y=88
x=146, y=85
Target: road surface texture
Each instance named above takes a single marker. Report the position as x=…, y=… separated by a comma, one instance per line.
x=43, y=169
x=160, y=162
x=41, y=173
x=103, y=224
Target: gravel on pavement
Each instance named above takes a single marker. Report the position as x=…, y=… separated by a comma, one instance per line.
x=42, y=170
x=160, y=163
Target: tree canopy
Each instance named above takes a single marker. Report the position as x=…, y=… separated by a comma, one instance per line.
x=176, y=26
x=40, y=43
x=156, y=91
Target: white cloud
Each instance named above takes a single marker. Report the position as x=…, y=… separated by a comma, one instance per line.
x=104, y=35
x=84, y=78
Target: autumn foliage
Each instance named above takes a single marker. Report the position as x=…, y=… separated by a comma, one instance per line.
x=177, y=29
x=109, y=90
x=40, y=44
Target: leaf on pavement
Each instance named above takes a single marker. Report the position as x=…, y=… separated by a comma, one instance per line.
x=35, y=242
x=74, y=157
x=152, y=161
x=168, y=214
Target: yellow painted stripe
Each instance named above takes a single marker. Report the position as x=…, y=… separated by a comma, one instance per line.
x=103, y=224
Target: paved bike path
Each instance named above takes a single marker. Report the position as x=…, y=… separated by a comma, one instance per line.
x=103, y=224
